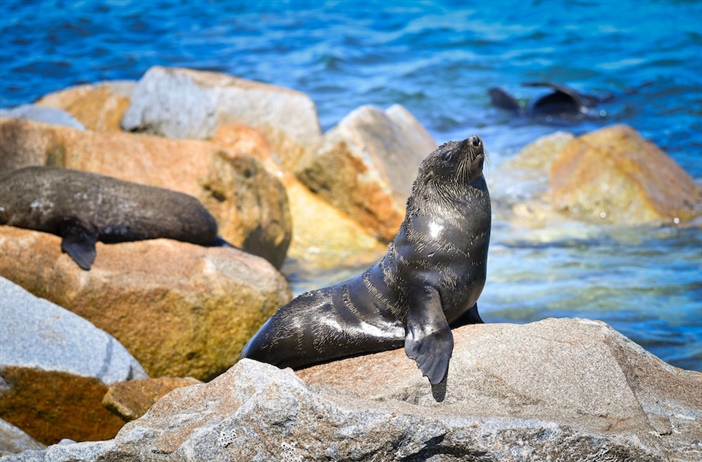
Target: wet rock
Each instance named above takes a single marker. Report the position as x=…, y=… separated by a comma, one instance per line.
x=568, y=390
x=183, y=103
x=322, y=235
x=614, y=175
x=42, y=114
x=180, y=309
x=55, y=368
x=99, y=106
x=131, y=399
x=249, y=204
x=13, y=440
x=365, y=166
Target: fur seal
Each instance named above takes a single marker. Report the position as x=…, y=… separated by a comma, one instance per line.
x=429, y=279
x=83, y=208
x=562, y=103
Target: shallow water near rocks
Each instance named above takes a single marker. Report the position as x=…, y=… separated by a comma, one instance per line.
x=438, y=59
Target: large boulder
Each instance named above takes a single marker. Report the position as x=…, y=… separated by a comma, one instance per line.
x=99, y=106
x=55, y=368
x=322, y=235
x=614, y=175
x=184, y=103
x=180, y=309
x=365, y=166
x=567, y=390
x=249, y=203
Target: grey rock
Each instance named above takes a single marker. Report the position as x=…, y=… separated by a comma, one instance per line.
x=560, y=390
x=38, y=334
x=365, y=165
x=13, y=440
x=184, y=103
x=42, y=114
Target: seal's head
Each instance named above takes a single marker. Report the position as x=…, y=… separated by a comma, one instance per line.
x=452, y=167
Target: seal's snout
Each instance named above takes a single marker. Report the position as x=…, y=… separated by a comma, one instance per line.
x=475, y=141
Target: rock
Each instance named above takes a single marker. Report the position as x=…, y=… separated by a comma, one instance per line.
x=322, y=235
x=98, y=106
x=249, y=204
x=614, y=175
x=184, y=103
x=41, y=114
x=13, y=440
x=567, y=390
x=131, y=399
x=365, y=166
x=180, y=309
x=55, y=368
x=527, y=174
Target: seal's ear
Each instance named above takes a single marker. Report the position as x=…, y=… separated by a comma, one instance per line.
x=429, y=178
x=79, y=243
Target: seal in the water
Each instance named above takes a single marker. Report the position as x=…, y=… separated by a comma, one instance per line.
x=561, y=103
x=430, y=278
x=83, y=208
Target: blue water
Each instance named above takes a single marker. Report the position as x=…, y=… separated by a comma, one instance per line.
x=438, y=58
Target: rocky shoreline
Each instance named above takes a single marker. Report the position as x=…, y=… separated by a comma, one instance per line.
x=280, y=189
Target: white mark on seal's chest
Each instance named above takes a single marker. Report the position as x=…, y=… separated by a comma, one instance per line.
x=435, y=229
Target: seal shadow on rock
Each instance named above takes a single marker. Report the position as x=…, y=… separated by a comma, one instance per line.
x=83, y=208
x=428, y=281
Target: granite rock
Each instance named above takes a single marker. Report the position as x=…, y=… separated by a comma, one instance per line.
x=566, y=390
x=42, y=114
x=55, y=367
x=180, y=309
x=365, y=166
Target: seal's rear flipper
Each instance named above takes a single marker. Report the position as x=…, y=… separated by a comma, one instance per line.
x=428, y=338
x=469, y=317
x=79, y=243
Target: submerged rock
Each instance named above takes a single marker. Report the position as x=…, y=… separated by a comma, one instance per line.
x=365, y=166
x=616, y=176
x=180, y=309
x=184, y=103
x=99, y=106
x=567, y=390
x=55, y=368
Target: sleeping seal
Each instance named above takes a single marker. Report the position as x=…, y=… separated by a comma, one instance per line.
x=83, y=208
x=430, y=278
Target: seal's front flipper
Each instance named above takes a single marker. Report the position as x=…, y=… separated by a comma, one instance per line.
x=79, y=243
x=428, y=338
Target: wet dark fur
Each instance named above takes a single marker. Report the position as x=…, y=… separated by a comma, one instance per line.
x=431, y=276
x=84, y=208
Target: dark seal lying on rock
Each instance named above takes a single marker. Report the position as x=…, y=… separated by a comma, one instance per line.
x=84, y=208
x=430, y=278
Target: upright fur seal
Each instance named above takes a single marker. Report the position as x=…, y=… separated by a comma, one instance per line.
x=430, y=278
x=84, y=208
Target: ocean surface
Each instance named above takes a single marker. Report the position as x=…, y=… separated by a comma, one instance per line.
x=438, y=59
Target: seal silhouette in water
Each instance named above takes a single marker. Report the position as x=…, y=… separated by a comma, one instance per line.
x=562, y=103
x=83, y=208
x=429, y=279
